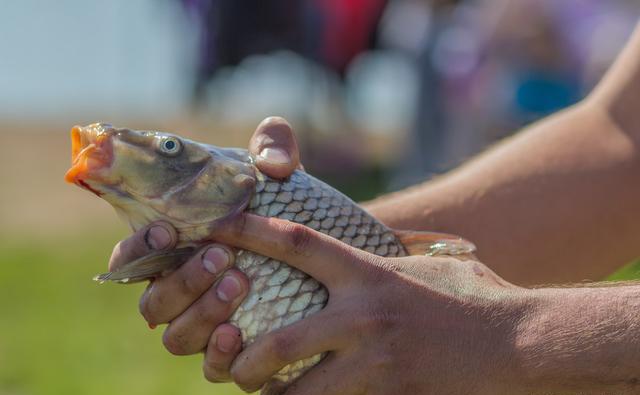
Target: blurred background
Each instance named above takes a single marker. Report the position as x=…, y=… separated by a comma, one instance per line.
x=382, y=94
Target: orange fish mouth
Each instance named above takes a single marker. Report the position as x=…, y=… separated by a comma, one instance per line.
x=91, y=152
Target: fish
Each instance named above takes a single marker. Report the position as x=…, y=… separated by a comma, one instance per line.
x=151, y=175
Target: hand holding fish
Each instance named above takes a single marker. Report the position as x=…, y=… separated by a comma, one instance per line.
x=392, y=325
x=185, y=297
x=432, y=325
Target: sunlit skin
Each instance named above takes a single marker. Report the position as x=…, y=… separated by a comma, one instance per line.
x=559, y=202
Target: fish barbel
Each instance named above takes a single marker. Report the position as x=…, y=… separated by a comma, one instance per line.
x=149, y=176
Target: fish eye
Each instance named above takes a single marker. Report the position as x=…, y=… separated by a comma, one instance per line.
x=170, y=145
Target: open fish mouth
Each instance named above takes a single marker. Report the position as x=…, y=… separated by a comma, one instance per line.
x=91, y=153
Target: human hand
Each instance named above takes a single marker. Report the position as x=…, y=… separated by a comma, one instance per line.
x=392, y=325
x=275, y=148
x=187, y=297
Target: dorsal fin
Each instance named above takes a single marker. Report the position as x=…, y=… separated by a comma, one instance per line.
x=434, y=243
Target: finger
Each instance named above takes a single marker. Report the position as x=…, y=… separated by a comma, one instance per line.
x=335, y=375
x=321, y=256
x=153, y=237
x=169, y=296
x=324, y=331
x=189, y=333
x=275, y=147
x=224, y=345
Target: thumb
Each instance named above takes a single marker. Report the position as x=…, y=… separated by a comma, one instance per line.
x=275, y=147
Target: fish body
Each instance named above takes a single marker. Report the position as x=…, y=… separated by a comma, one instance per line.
x=149, y=176
x=280, y=294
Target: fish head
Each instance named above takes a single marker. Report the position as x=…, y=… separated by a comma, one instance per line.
x=150, y=175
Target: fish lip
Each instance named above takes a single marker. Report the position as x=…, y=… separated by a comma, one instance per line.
x=91, y=154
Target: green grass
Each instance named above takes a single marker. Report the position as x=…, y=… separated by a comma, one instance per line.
x=628, y=272
x=61, y=333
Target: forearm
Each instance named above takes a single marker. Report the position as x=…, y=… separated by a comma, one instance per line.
x=558, y=202
x=580, y=341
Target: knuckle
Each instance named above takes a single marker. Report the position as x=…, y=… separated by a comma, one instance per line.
x=299, y=238
x=375, y=320
x=238, y=226
x=281, y=347
x=205, y=314
x=190, y=286
x=389, y=265
x=210, y=312
x=380, y=269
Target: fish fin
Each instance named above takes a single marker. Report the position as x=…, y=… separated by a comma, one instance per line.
x=148, y=266
x=435, y=244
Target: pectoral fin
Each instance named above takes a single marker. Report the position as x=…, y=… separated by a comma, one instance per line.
x=435, y=244
x=148, y=266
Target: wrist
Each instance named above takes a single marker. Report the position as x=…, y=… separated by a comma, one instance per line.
x=518, y=308
x=577, y=341
x=529, y=342
x=546, y=352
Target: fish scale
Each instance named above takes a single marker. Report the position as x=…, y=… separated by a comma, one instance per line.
x=280, y=294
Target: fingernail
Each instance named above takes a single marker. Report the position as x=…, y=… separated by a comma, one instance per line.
x=229, y=288
x=225, y=342
x=275, y=155
x=158, y=238
x=215, y=260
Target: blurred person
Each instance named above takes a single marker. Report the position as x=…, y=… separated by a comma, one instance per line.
x=559, y=202
x=543, y=75
x=425, y=147
x=230, y=31
x=490, y=67
x=331, y=32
